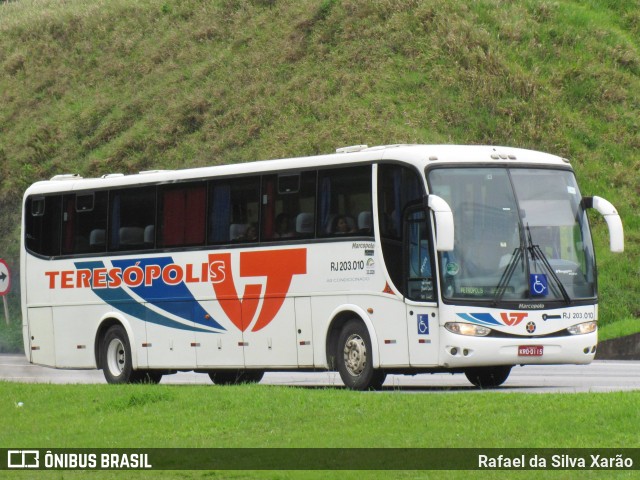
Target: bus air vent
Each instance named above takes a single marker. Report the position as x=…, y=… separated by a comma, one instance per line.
x=147, y=172
x=351, y=149
x=66, y=176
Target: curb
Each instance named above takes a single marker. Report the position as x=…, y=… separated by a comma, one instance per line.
x=622, y=348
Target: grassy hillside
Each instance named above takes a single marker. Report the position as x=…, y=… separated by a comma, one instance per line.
x=92, y=87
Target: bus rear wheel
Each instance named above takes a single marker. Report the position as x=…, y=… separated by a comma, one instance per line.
x=235, y=377
x=116, y=360
x=488, y=377
x=116, y=355
x=354, y=357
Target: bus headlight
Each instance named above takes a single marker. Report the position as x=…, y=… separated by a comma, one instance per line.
x=582, y=328
x=467, y=329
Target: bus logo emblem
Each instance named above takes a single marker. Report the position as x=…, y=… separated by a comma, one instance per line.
x=512, y=319
x=278, y=266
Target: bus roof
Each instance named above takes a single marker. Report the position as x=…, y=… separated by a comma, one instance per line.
x=421, y=156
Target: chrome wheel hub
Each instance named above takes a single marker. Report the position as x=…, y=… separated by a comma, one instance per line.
x=116, y=357
x=355, y=355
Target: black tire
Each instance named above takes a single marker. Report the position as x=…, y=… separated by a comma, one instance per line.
x=115, y=356
x=353, y=358
x=235, y=377
x=488, y=377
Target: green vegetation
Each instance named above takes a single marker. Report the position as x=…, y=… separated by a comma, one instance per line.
x=270, y=416
x=618, y=329
x=98, y=87
x=149, y=416
x=11, y=335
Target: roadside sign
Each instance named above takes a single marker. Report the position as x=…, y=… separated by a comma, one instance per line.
x=5, y=278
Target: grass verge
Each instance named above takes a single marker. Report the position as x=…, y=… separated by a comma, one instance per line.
x=620, y=328
x=169, y=416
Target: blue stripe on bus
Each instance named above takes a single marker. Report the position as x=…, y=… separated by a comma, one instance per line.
x=121, y=300
x=481, y=318
x=162, y=295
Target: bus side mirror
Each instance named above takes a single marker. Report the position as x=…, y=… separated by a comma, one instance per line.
x=444, y=222
x=610, y=214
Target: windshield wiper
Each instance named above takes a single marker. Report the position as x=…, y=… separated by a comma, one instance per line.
x=507, y=274
x=538, y=255
x=516, y=256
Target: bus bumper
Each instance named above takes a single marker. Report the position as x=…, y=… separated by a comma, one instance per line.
x=463, y=351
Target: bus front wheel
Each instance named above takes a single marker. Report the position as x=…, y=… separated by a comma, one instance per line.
x=354, y=358
x=488, y=377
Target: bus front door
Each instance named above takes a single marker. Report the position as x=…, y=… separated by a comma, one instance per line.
x=420, y=293
x=422, y=328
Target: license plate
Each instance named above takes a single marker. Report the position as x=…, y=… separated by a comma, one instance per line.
x=530, y=350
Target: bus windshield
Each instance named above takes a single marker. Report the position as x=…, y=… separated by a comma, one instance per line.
x=521, y=235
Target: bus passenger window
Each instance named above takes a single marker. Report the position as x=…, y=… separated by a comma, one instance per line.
x=284, y=228
x=132, y=212
x=42, y=225
x=181, y=216
x=84, y=222
x=233, y=210
x=343, y=225
x=344, y=205
x=288, y=206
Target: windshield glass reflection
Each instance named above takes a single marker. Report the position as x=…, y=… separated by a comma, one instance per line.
x=521, y=234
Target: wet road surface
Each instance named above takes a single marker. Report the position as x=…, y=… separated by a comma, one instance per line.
x=599, y=376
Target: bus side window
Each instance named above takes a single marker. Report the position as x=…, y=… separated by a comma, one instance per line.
x=288, y=206
x=420, y=284
x=398, y=187
x=42, y=225
x=132, y=211
x=234, y=206
x=84, y=222
x=181, y=216
x=344, y=204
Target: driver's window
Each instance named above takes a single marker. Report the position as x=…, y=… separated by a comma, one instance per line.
x=420, y=285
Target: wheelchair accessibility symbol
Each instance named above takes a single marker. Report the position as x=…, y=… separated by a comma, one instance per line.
x=538, y=286
x=423, y=324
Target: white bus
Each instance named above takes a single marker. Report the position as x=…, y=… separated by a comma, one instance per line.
x=343, y=262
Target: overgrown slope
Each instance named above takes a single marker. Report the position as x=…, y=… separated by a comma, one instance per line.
x=94, y=87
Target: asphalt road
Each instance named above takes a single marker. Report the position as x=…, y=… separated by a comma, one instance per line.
x=600, y=376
